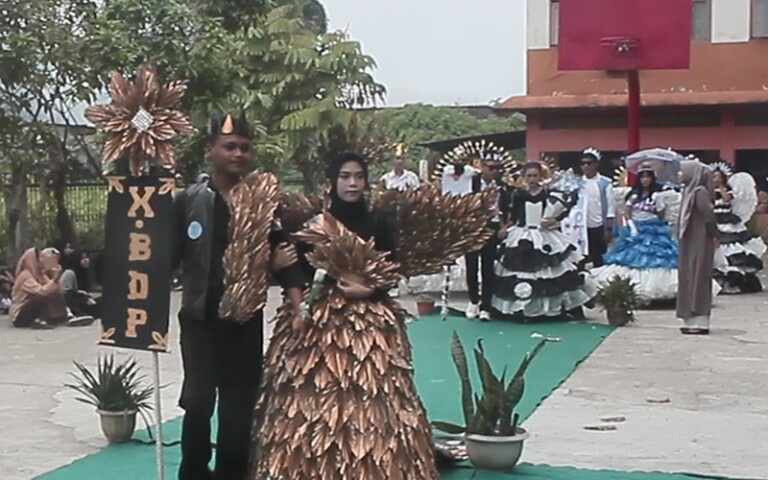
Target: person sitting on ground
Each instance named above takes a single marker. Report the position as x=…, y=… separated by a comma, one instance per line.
x=6, y=283
x=35, y=290
x=75, y=284
x=65, y=249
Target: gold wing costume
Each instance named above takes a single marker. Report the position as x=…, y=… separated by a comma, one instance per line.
x=342, y=404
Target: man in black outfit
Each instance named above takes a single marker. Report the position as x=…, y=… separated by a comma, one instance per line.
x=220, y=355
x=480, y=297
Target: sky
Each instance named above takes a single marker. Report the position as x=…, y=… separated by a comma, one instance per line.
x=441, y=52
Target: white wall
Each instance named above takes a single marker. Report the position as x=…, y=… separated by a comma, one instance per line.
x=731, y=21
x=538, y=24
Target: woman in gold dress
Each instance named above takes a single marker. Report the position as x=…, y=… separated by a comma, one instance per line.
x=338, y=399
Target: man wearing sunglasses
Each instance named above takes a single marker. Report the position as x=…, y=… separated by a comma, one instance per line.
x=594, y=213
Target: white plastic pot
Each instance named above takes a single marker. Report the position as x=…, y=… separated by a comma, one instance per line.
x=118, y=427
x=496, y=453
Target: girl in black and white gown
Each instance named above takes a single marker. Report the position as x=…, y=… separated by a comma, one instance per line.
x=738, y=257
x=537, y=274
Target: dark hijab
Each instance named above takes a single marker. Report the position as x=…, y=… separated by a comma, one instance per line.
x=82, y=274
x=356, y=216
x=60, y=244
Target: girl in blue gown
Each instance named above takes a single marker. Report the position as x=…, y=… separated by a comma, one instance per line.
x=646, y=251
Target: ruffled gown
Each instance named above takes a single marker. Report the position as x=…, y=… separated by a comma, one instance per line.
x=739, y=256
x=647, y=254
x=538, y=273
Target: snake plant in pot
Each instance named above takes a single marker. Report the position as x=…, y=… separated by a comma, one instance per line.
x=493, y=438
x=116, y=392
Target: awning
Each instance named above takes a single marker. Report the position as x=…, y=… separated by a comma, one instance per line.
x=550, y=102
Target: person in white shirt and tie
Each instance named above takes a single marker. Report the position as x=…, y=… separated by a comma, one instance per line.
x=399, y=178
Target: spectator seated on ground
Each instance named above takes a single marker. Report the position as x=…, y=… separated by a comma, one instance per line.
x=76, y=284
x=6, y=284
x=36, y=297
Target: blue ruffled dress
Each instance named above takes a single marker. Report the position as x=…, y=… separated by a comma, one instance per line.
x=652, y=246
x=647, y=254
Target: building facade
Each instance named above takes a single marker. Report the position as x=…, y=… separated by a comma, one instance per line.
x=718, y=109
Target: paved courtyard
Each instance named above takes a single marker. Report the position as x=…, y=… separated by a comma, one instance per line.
x=694, y=405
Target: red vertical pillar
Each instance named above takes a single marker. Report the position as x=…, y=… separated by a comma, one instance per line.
x=633, y=111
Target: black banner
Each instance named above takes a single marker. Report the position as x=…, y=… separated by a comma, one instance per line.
x=137, y=268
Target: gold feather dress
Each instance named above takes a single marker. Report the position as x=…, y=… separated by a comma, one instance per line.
x=343, y=404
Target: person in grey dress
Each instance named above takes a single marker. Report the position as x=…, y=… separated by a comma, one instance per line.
x=698, y=239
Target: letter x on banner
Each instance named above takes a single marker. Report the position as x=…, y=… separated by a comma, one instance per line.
x=137, y=268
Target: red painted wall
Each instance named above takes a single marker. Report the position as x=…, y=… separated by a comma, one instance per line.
x=727, y=138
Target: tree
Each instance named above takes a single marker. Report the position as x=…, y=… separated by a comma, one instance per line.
x=303, y=84
x=42, y=77
x=420, y=123
x=184, y=43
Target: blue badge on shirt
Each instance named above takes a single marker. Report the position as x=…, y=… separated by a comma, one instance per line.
x=194, y=230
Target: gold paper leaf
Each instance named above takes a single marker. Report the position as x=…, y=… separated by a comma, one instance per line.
x=160, y=341
x=106, y=335
x=149, y=139
x=116, y=184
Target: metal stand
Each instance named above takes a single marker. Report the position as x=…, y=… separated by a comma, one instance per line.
x=446, y=290
x=158, y=420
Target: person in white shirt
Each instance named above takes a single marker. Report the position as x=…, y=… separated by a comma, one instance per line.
x=399, y=178
x=595, y=198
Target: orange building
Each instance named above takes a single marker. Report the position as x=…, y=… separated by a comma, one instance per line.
x=716, y=109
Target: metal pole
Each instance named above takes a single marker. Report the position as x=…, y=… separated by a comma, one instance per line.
x=633, y=118
x=446, y=290
x=158, y=420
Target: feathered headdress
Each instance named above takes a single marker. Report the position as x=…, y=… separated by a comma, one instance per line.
x=723, y=168
x=400, y=150
x=593, y=152
x=479, y=152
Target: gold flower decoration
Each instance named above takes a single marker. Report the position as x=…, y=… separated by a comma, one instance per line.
x=140, y=121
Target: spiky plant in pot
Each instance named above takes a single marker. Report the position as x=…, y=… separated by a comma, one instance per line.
x=494, y=438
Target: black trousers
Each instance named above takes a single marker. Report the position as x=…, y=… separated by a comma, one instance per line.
x=226, y=358
x=487, y=257
x=597, y=245
x=80, y=304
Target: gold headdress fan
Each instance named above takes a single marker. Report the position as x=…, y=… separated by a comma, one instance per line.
x=478, y=151
x=140, y=120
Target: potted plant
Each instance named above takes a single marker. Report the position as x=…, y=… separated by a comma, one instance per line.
x=115, y=390
x=493, y=438
x=425, y=304
x=619, y=299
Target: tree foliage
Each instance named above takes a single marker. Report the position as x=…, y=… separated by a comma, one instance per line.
x=420, y=123
x=273, y=59
x=42, y=77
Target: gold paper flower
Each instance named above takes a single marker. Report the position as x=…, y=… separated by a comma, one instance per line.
x=140, y=120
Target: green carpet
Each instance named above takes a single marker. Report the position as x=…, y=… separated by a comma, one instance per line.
x=505, y=343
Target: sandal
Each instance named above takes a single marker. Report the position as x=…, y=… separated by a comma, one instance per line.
x=41, y=325
x=694, y=331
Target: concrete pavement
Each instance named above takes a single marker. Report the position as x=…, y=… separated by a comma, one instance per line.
x=691, y=404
